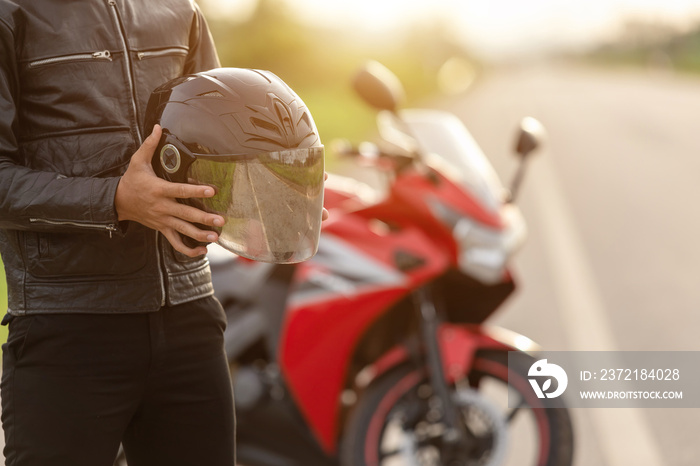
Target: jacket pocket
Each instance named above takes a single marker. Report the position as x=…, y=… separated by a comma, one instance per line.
x=87, y=152
x=154, y=66
x=162, y=52
x=103, y=55
x=85, y=254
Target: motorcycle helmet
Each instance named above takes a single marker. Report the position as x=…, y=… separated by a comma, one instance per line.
x=248, y=135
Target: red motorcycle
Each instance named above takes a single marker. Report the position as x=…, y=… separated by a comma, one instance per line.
x=375, y=351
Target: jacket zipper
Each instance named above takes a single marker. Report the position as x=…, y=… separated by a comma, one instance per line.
x=103, y=55
x=129, y=67
x=132, y=88
x=111, y=228
x=160, y=270
x=161, y=53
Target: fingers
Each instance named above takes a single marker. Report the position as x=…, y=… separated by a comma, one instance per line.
x=176, y=242
x=178, y=226
x=194, y=215
x=185, y=191
x=190, y=221
x=152, y=201
x=145, y=153
x=197, y=234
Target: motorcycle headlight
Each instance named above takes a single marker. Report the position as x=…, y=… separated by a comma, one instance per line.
x=483, y=251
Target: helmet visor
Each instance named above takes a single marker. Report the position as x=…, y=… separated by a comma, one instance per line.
x=272, y=201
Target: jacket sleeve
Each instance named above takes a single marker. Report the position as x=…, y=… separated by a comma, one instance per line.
x=202, y=55
x=36, y=200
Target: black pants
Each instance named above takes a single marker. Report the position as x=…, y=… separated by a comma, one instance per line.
x=75, y=386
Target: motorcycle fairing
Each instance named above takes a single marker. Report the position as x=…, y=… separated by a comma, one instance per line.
x=338, y=268
x=322, y=326
x=321, y=339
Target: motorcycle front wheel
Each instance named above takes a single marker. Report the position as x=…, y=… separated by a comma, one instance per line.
x=398, y=421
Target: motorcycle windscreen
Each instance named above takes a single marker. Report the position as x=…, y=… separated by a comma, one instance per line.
x=272, y=202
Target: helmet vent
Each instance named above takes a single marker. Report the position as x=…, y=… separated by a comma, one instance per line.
x=283, y=114
x=211, y=94
x=266, y=125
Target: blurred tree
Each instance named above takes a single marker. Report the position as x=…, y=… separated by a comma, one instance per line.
x=318, y=61
x=684, y=50
x=271, y=39
x=653, y=44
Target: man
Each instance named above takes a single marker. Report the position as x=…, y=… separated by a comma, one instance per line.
x=114, y=335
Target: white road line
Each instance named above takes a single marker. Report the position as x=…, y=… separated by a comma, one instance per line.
x=624, y=435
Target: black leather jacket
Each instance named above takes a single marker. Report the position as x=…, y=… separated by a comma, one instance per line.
x=75, y=78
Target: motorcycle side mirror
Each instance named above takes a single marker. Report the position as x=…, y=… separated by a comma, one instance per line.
x=530, y=136
x=379, y=87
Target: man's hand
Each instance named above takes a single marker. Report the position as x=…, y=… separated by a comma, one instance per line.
x=145, y=198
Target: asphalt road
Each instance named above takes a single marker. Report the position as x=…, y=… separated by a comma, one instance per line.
x=612, y=260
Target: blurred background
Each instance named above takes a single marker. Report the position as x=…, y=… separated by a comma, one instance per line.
x=612, y=260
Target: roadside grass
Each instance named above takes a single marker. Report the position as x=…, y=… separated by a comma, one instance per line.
x=338, y=114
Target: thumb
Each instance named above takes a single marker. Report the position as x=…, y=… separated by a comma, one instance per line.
x=145, y=153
